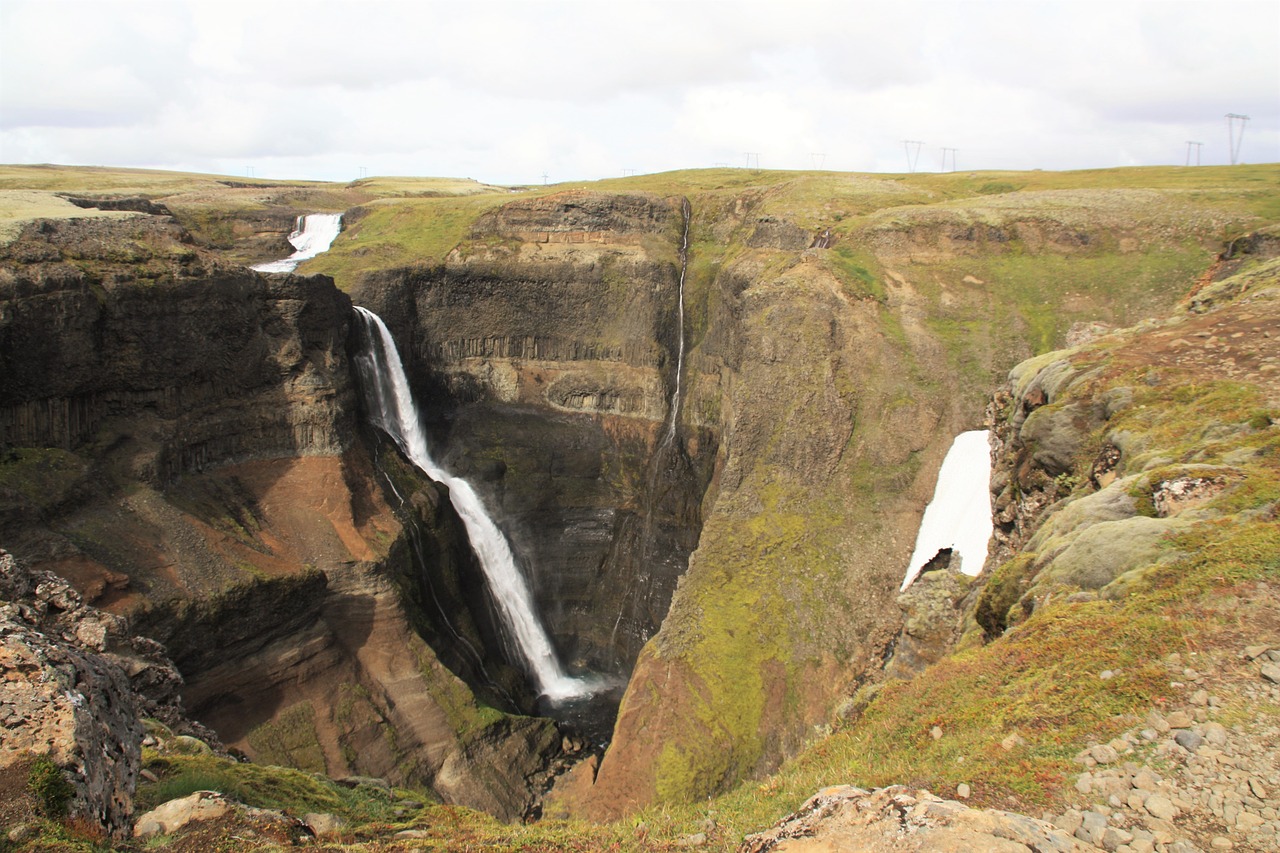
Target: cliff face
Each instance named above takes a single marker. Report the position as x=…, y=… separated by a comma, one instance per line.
x=739, y=564
x=544, y=353
x=827, y=369
x=180, y=441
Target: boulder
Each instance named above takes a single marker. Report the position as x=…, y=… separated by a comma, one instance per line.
x=931, y=623
x=175, y=814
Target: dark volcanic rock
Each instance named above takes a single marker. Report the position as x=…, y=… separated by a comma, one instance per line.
x=91, y=350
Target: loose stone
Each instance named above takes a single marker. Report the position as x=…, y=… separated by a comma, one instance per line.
x=1188, y=740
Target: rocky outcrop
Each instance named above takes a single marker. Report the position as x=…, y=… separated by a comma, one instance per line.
x=901, y=819
x=160, y=339
x=1084, y=503
x=933, y=618
x=76, y=686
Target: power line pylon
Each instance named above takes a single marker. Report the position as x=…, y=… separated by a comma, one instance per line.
x=1234, y=138
x=912, y=157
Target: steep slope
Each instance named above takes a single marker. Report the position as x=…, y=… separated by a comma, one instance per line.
x=840, y=375
x=841, y=330
x=1115, y=671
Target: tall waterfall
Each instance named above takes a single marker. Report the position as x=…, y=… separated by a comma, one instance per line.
x=674, y=409
x=392, y=409
x=312, y=234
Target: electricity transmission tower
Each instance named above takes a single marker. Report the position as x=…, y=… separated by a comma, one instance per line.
x=750, y=156
x=819, y=160
x=953, y=158
x=544, y=178
x=912, y=158
x=1234, y=138
x=1197, y=145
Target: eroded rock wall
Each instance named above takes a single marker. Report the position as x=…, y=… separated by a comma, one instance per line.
x=543, y=353
x=181, y=442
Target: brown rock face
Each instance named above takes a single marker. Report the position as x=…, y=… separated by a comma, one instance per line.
x=92, y=352
x=181, y=438
x=543, y=355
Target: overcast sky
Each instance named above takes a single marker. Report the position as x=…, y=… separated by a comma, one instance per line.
x=506, y=92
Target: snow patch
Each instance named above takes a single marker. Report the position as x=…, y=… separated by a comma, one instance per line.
x=959, y=516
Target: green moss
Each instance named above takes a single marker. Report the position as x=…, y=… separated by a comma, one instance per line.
x=43, y=475
x=1047, y=292
x=264, y=786
x=290, y=740
x=1006, y=585
x=859, y=272
x=400, y=233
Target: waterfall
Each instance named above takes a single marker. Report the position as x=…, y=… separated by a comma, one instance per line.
x=392, y=409
x=312, y=234
x=674, y=413
x=661, y=454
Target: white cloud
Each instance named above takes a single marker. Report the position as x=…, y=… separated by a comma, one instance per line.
x=580, y=88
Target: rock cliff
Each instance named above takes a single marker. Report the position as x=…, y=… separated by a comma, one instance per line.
x=187, y=450
x=181, y=441
x=544, y=352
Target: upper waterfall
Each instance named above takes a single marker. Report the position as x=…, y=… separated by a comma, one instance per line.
x=313, y=233
x=673, y=414
x=392, y=409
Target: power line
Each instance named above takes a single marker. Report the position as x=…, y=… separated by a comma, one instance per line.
x=912, y=158
x=1197, y=145
x=1234, y=139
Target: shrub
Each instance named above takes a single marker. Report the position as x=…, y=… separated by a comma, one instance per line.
x=50, y=787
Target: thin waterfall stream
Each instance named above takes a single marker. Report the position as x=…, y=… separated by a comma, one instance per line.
x=673, y=414
x=656, y=467
x=392, y=409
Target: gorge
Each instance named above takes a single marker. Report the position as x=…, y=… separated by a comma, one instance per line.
x=707, y=411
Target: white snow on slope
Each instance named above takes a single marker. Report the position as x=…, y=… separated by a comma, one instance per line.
x=959, y=516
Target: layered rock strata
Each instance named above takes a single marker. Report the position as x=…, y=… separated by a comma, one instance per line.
x=181, y=441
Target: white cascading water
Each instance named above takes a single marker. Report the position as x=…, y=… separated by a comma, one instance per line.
x=313, y=234
x=393, y=410
x=674, y=413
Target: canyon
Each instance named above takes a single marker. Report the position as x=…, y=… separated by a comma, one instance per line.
x=707, y=410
